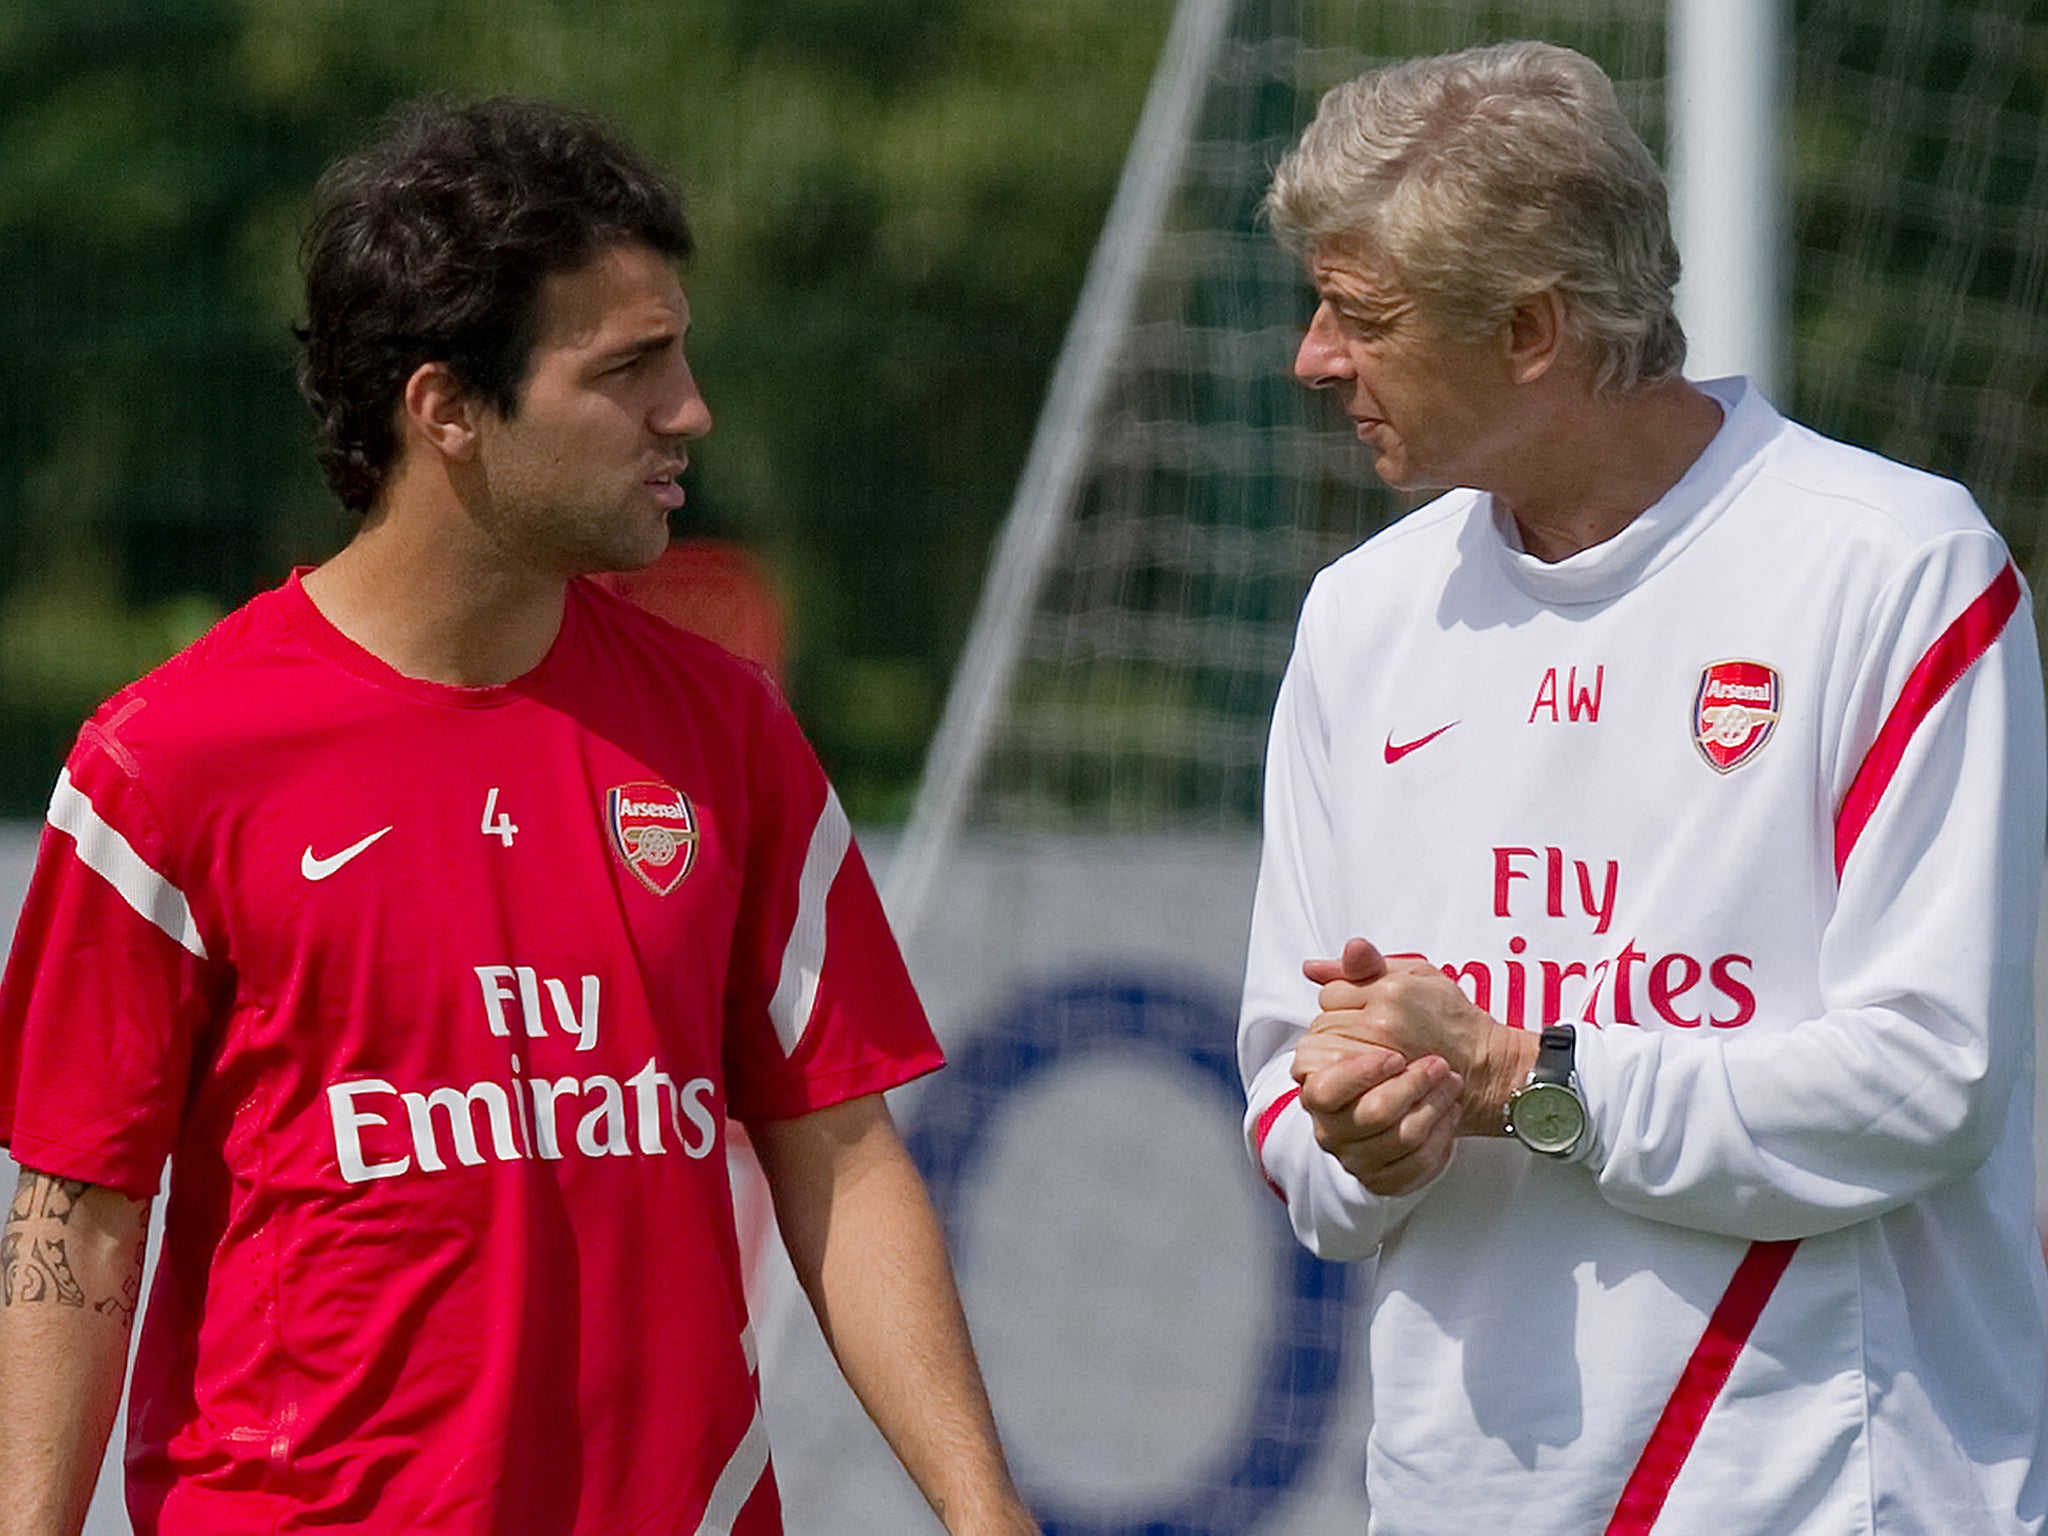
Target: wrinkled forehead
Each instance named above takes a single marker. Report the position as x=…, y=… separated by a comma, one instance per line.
x=1354, y=266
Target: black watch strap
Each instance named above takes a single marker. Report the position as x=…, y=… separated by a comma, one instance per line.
x=1555, y=1053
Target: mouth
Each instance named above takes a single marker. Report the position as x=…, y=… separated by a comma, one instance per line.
x=665, y=486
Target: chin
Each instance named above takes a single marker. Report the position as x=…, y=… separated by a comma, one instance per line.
x=644, y=546
x=640, y=557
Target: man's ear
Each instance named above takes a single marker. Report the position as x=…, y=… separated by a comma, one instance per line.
x=440, y=412
x=1536, y=335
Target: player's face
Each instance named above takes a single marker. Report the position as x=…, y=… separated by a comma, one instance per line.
x=1432, y=409
x=582, y=477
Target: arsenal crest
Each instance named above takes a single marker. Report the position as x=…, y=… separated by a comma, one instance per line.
x=1734, y=712
x=654, y=831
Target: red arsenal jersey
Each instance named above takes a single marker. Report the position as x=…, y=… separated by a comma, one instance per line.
x=437, y=999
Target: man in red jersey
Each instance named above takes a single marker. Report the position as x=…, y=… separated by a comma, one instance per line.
x=430, y=915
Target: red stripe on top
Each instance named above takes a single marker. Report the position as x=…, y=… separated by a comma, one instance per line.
x=1678, y=1427
x=1968, y=638
x=1264, y=1129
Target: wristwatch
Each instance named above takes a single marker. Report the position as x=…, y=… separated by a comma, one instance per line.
x=1546, y=1114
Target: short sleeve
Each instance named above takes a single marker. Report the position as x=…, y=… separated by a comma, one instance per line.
x=820, y=1007
x=107, y=987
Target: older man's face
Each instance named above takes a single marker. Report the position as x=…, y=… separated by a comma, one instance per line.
x=1431, y=408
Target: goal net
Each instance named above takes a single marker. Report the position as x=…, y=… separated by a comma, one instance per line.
x=1074, y=885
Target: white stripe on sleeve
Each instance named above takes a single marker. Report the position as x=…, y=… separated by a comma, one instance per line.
x=737, y=1482
x=804, y=956
x=108, y=854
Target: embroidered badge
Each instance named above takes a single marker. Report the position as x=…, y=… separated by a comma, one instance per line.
x=1734, y=712
x=653, y=830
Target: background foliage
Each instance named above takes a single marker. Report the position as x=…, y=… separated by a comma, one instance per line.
x=895, y=201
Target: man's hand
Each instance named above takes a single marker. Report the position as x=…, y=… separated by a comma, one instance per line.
x=1384, y=1018
x=1391, y=1122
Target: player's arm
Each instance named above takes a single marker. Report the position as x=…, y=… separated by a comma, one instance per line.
x=1907, y=1079
x=1343, y=1147
x=867, y=1247
x=70, y=1281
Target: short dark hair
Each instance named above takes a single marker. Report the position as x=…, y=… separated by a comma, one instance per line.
x=431, y=245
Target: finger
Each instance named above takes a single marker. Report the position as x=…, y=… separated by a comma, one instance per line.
x=1362, y=962
x=1359, y=962
x=1344, y=995
x=1352, y=1066
x=1361, y=1097
x=1391, y=1125
x=1413, y=1169
x=1399, y=1109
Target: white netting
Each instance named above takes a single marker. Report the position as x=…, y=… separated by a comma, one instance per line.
x=1075, y=884
x=1214, y=485
x=1920, y=230
x=1917, y=204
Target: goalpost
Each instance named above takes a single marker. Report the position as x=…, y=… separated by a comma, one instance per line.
x=1073, y=885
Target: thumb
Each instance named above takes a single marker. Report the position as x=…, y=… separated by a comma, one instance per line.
x=1360, y=962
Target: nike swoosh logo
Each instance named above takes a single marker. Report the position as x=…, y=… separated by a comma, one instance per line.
x=1396, y=752
x=320, y=869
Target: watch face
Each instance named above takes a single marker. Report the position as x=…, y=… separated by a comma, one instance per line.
x=1547, y=1117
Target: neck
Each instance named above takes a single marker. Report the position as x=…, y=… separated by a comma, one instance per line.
x=423, y=593
x=1603, y=464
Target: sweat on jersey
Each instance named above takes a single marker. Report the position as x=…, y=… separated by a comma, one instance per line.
x=437, y=999
x=1753, y=794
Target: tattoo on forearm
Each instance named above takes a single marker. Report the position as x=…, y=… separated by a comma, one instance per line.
x=35, y=1254
x=121, y=1306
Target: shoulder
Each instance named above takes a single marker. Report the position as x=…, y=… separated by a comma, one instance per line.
x=214, y=687
x=645, y=652
x=1904, y=552
x=1409, y=558
x=1875, y=501
x=621, y=623
x=178, y=736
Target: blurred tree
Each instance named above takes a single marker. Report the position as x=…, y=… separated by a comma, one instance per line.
x=895, y=200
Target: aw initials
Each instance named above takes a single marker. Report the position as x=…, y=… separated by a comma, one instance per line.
x=1578, y=703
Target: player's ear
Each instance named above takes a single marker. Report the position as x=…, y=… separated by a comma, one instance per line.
x=1536, y=335
x=438, y=410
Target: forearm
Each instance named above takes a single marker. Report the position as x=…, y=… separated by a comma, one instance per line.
x=866, y=1244
x=70, y=1280
x=1333, y=1215
x=1904, y=1078
x=1832, y=1121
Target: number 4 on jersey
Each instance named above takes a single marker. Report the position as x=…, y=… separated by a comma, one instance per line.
x=501, y=828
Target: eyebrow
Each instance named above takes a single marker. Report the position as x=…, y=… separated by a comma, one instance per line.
x=627, y=352
x=1378, y=307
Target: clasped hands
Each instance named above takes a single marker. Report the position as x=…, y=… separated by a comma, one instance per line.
x=1399, y=1064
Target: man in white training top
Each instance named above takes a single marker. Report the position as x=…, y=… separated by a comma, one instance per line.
x=1641, y=970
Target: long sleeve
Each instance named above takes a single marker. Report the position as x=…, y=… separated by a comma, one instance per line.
x=1905, y=1080
x=1293, y=917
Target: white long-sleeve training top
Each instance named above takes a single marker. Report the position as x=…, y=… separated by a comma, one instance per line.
x=1753, y=793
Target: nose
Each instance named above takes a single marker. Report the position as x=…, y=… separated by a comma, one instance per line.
x=682, y=411
x=1320, y=360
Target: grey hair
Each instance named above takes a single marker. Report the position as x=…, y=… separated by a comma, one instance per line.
x=1486, y=177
